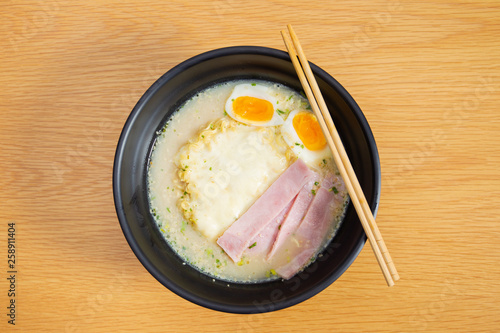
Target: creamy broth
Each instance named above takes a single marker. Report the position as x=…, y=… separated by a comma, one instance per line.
x=165, y=188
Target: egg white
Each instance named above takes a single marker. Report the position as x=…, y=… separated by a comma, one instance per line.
x=310, y=157
x=257, y=91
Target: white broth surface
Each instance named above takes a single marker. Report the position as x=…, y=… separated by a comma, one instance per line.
x=172, y=205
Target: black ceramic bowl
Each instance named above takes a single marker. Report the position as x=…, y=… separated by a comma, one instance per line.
x=130, y=189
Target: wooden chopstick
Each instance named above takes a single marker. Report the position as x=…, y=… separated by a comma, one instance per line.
x=319, y=107
x=345, y=159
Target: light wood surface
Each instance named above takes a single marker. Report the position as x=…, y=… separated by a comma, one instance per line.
x=426, y=75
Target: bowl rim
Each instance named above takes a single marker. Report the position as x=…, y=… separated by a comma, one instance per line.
x=216, y=53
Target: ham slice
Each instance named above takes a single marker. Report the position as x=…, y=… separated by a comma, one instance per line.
x=307, y=239
x=295, y=215
x=238, y=236
x=267, y=237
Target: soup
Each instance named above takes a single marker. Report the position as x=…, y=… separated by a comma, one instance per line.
x=242, y=184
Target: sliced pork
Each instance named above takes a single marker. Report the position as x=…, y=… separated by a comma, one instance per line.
x=262, y=243
x=300, y=247
x=295, y=215
x=237, y=238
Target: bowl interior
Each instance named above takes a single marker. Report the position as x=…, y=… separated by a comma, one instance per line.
x=130, y=189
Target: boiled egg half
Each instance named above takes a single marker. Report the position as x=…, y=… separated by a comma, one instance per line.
x=253, y=104
x=302, y=132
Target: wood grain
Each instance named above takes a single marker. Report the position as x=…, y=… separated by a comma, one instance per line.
x=426, y=74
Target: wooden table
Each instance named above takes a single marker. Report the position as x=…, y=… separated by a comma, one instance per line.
x=426, y=75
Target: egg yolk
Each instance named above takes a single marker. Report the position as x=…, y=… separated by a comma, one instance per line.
x=253, y=108
x=307, y=128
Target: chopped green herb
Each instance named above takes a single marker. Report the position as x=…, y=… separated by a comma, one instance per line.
x=203, y=136
x=210, y=169
x=289, y=98
x=301, y=146
x=183, y=226
x=324, y=161
x=254, y=244
x=334, y=189
x=297, y=144
x=168, y=210
x=211, y=126
x=277, y=102
x=280, y=112
x=185, y=193
x=316, y=183
x=279, y=227
x=313, y=192
x=225, y=113
x=254, y=84
x=270, y=272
